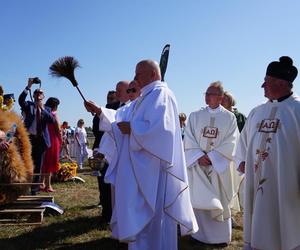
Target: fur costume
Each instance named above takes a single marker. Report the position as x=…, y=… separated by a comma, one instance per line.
x=16, y=165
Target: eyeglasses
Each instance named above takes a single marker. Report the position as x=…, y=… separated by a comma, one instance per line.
x=133, y=90
x=211, y=94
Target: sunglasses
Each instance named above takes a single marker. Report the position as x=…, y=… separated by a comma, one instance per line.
x=211, y=94
x=133, y=90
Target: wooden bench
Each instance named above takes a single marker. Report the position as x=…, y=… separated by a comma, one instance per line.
x=26, y=210
x=24, y=216
x=21, y=184
x=41, y=198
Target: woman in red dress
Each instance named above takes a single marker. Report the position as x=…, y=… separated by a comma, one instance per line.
x=51, y=157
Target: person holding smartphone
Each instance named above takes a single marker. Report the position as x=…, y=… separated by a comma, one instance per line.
x=36, y=118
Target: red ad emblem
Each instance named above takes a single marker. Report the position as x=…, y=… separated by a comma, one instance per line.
x=210, y=132
x=269, y=126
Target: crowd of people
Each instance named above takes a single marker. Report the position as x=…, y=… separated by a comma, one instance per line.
x=167, y=175
x=48, y=138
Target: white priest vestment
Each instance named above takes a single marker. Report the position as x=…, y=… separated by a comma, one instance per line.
x=108, y=146
x=212, y=189
x=149, y=174
x=270, y=146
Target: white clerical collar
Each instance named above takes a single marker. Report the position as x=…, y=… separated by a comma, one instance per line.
x=282, y=98
x=146, y=89
x=216, y=110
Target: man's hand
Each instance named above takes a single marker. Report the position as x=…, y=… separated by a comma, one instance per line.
x=242, y=167
x=204, y=161
x=92, y=107
x=124, y=127
x=98, y=155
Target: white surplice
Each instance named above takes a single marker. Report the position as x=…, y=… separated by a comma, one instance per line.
x=112, y=140
x=108, y=147
x=213, y=132
x=149, y=174
x=270, y=146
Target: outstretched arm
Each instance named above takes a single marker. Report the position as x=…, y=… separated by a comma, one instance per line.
x=92, y=107
x=23, y=95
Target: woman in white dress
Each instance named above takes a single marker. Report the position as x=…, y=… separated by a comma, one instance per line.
x=81, y=143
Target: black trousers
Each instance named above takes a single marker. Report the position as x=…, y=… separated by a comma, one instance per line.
x=105, y=196
x=38, y=148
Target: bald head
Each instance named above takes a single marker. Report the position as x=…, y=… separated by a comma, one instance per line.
x=122, y=84
x=121, y=91
x=147, y=71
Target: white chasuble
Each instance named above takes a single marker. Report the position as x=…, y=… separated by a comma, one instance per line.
x=270, y=146
x=211, y=132
x=149, y=177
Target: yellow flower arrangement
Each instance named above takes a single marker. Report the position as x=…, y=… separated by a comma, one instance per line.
x=66, y=171
x=8, y=106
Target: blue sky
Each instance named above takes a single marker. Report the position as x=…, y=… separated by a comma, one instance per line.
x=228, y=40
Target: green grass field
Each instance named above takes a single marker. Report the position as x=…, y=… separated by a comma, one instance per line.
x=79, y=226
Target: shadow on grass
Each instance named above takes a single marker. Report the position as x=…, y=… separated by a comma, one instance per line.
x=52, y=236
x=102, y=244
x=90, y=207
